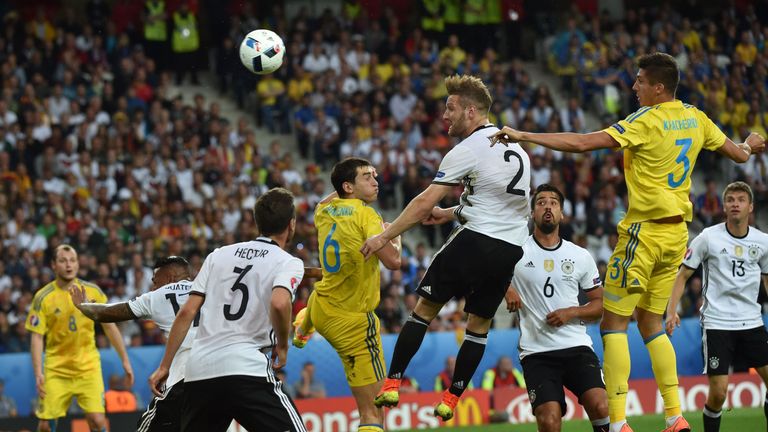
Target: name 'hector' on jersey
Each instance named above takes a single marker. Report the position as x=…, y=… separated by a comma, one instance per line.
x=249, y=253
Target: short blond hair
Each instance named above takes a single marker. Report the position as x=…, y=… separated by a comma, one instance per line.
x=739, y=186
x=471, y=90
x=62, y=247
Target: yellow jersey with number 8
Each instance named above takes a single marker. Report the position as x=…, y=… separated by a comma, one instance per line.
x=70, y=346
x=349, y=283
x=661, y=144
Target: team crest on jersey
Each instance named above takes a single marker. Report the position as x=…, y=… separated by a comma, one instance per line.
x=532, y=395
x=714, y=362
x=567, y=266
x=753, y=252
x=738, y=251
x=549, y=265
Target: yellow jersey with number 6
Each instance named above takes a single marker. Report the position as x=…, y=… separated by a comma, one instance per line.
x=70, y=346
x=349, y=283
x=661, y=144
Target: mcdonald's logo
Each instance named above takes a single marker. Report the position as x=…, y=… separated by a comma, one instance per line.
x=467, y=412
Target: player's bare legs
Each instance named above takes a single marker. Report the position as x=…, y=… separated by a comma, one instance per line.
x=763, y=372
x=46, y=425
x=595, y=402
x=371, y=416
x=408, y=343
x=549, y=417
x=96, y=421
x=718, y=387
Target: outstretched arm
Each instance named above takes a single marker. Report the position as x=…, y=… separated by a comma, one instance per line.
x=100, y=312
x=566, y=141
x=740, y=153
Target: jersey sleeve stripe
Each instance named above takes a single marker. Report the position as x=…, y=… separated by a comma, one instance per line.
x=692, y=268
x=93, y=285
x=638, y=114
x=445, y=183
x=38, y=302
x=197, y=293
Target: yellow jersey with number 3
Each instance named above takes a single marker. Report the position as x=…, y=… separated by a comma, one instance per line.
x=70, y=345
x=349, y=283
x=661, y=144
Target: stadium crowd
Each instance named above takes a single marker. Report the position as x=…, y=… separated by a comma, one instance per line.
x=98, y=152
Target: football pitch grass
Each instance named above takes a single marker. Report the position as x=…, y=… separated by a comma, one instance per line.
x=741, y=419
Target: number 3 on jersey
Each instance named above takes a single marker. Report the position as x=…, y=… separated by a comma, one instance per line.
x=333, y=244
x=683, y=159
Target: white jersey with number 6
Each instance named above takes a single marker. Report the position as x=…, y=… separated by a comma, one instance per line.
x=235, y=333
x=161, y=306
x=547, y=280
x=496, y=180
x=731, y=276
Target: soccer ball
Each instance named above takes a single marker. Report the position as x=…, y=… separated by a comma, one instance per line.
x=262, y=51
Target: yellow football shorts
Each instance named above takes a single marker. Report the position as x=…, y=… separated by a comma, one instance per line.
x=643, y=266
x=59, y=391
x=356, y=337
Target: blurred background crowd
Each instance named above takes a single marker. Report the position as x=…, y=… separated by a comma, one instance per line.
x=109, y=143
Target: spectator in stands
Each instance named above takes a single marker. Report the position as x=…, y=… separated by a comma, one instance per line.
x=119, y=398
x=308, y=386
x=7, y=404
x=504, y=374
x=709, y=205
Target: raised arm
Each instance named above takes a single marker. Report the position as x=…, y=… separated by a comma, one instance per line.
x=673, y=320
x=740, y=153
x=565, y=141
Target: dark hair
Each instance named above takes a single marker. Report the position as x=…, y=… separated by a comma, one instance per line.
x=173, y=260
x=471, y=90
x=273, y=211
x=546, y=187
x=739, y=186
x=346, y=171
x=660, y=68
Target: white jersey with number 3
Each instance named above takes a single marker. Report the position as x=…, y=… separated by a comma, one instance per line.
x=547, y=280
x=161, y=306
x=731, y=276
x=235, y=331
x=496, y=180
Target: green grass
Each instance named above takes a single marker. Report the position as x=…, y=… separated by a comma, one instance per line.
x=742, y=419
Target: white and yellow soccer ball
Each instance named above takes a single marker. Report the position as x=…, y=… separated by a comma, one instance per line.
x=262, y=51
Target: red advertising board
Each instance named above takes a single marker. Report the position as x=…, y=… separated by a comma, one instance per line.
x=744, y=390
x=414, y=411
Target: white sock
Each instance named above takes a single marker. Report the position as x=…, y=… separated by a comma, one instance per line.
x=616, y=427
x=672, y=420
x=602, y=421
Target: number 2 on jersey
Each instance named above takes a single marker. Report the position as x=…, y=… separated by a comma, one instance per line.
x=681, y=158
x=331, y=243
x=511, y=186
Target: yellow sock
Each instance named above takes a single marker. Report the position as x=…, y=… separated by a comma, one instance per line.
x=664, y=365
x=370, y=428
x=616, y=366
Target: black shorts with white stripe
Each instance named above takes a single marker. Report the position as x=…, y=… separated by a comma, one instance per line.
x=256, y=403
x=164, y=413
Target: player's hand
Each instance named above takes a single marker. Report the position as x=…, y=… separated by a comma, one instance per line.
x=505, y=136
x=128, y=372
x=40, y=384
x=157, y=381
x=279, y=356
x=513, y=299
x=673, y=322
x=756, y=142
x=372, y=245
x=438, y=216
x=77, y=293
x=559, y=317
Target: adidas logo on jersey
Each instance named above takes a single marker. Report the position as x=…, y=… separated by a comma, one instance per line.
x=723, y=252
x=459, y=385
x=635, y=282
x=529, y=264
x=427, y=289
